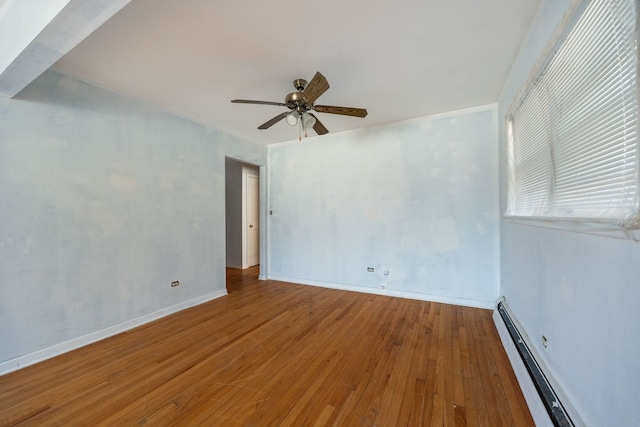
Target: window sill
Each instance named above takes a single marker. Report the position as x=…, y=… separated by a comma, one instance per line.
x=627, y=228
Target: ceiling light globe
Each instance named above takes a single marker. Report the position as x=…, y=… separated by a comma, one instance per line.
x=292, y=118
x=308, y=120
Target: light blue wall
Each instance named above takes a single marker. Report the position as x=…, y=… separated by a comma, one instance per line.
x=580, y=291
x=418, y=198
x=103, y=202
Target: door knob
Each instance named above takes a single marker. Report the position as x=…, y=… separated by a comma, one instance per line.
x=250, y=225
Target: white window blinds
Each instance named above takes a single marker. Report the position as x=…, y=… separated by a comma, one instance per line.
x=573, y=135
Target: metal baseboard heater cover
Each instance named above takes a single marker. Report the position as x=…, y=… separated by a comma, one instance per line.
x=556, y=411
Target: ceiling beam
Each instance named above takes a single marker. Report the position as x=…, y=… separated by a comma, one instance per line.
x=34, y=34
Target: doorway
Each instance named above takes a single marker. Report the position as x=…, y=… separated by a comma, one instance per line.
x=242, y=212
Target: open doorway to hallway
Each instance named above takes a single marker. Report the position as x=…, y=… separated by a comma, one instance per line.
x=242, y=213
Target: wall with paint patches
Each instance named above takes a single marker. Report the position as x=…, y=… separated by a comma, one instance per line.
x=104, y=201
x=418, y=199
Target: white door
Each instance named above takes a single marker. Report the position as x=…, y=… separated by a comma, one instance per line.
x=253, y=220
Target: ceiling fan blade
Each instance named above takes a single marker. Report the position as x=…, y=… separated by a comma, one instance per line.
x=250, y=101
x=276, y=119
x=316, y=87
x=345, y=111
x=319, y=127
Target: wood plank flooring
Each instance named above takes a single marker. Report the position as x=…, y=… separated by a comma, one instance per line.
x=279, y=354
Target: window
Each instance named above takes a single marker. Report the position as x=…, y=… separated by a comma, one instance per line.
x=573, y=132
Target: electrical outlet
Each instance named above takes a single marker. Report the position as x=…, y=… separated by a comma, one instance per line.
x=370, y=269
x=175, y=284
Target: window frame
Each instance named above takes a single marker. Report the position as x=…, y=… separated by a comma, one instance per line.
x=625, y=223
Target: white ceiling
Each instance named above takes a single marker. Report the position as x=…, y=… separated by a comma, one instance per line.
x=400, y=60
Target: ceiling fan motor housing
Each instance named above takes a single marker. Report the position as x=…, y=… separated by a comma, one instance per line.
x=296, y=102
x=294, y=98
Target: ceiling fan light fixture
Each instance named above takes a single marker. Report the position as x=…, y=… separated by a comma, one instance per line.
x=308, y=120
x=292, y=118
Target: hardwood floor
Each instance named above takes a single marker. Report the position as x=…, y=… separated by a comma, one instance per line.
x=273, y=353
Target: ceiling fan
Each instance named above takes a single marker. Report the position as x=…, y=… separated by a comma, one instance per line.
x=300, y=104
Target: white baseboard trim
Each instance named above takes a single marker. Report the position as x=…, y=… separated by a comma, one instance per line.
x=534, y=402
x=388, y=292
x=75, y=343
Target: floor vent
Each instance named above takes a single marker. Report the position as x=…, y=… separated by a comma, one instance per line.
x=556, y=411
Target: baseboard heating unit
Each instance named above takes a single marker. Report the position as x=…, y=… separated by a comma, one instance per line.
x=558, y=416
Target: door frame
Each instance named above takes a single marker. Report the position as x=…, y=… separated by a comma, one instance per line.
x=262, y=176
x=246, y=173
